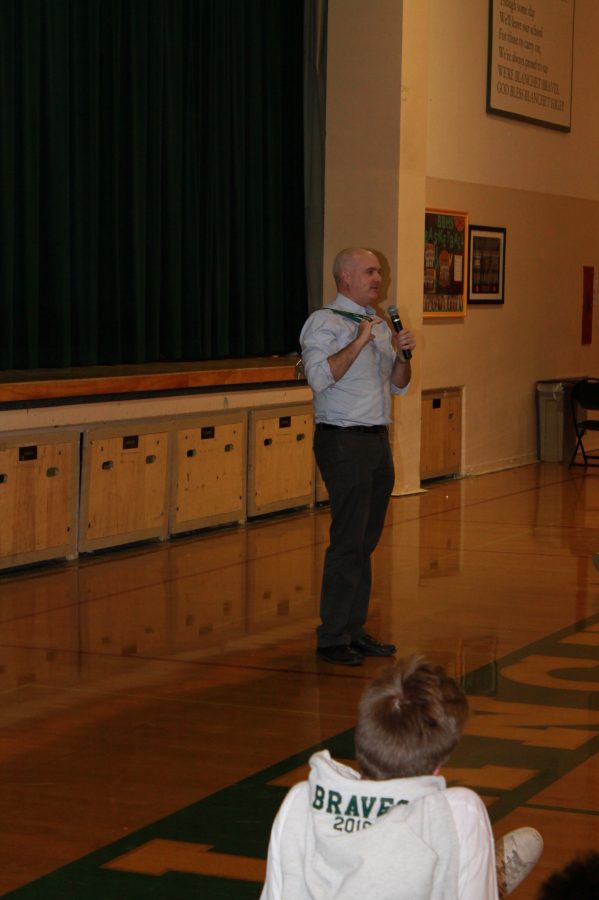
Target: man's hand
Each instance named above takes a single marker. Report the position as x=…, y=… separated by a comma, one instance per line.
x=365, y=335
x=403, y=340
x=402, y=370
x=340, y=362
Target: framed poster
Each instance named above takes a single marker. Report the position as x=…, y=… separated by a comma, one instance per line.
x=529, y=64
x=445, y=255
x=486, y=275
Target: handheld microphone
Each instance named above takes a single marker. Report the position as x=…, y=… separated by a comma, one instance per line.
x=396, y=322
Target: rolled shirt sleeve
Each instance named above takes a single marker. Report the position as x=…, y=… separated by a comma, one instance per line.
x=319, y=340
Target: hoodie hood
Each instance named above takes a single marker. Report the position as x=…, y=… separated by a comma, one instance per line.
x=338, y=790
x=391, y=839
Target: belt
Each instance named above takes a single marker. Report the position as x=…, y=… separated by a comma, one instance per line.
x=361, y=429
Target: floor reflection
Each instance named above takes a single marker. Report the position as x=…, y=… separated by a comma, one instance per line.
x=138, y=681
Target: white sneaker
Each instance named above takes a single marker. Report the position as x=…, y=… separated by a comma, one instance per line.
x=516, y=854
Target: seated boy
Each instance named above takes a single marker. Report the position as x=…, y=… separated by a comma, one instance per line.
x=396, y=832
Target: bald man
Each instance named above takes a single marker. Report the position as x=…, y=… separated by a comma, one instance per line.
x=353, y=363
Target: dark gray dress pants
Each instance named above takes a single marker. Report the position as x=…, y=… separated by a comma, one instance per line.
x=357, y=469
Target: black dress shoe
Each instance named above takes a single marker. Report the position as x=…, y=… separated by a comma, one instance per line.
x=367, y=646
x=341, y=654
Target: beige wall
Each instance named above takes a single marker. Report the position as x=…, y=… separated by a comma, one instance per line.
x=543, y=187
x=467, y=144
x=376, y=115
x=403, y=135
x=499, y=352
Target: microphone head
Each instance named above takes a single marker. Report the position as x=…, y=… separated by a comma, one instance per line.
x=392, y=310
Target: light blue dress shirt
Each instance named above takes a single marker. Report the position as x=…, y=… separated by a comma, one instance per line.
x=363, y=395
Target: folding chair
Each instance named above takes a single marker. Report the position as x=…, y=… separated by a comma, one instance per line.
x=584, y=398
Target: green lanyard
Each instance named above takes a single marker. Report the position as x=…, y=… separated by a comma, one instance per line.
x=355, y=317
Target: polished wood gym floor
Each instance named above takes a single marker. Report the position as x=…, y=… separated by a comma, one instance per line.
x=156, y=701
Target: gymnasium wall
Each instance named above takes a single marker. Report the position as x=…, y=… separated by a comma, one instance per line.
x=543, y=187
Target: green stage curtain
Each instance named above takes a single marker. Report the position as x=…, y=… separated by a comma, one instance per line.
x=151, y=180
x=315, y=71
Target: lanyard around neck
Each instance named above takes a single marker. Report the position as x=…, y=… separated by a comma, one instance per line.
x=355, y=317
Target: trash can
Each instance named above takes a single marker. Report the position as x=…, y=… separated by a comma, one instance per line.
x=555, y=430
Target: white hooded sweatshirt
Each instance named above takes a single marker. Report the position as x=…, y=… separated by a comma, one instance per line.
x=340, y=837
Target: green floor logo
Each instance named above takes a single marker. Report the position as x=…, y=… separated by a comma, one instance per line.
x=215, y=849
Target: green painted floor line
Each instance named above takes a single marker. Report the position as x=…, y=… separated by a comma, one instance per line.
x=236, y=820
x=563, y=809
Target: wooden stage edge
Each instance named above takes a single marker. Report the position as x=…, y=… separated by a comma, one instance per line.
x=60, y=384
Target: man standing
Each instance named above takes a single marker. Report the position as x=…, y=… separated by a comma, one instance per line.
x=353, y=363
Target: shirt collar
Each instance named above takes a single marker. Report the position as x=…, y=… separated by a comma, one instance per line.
x=343, y=302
